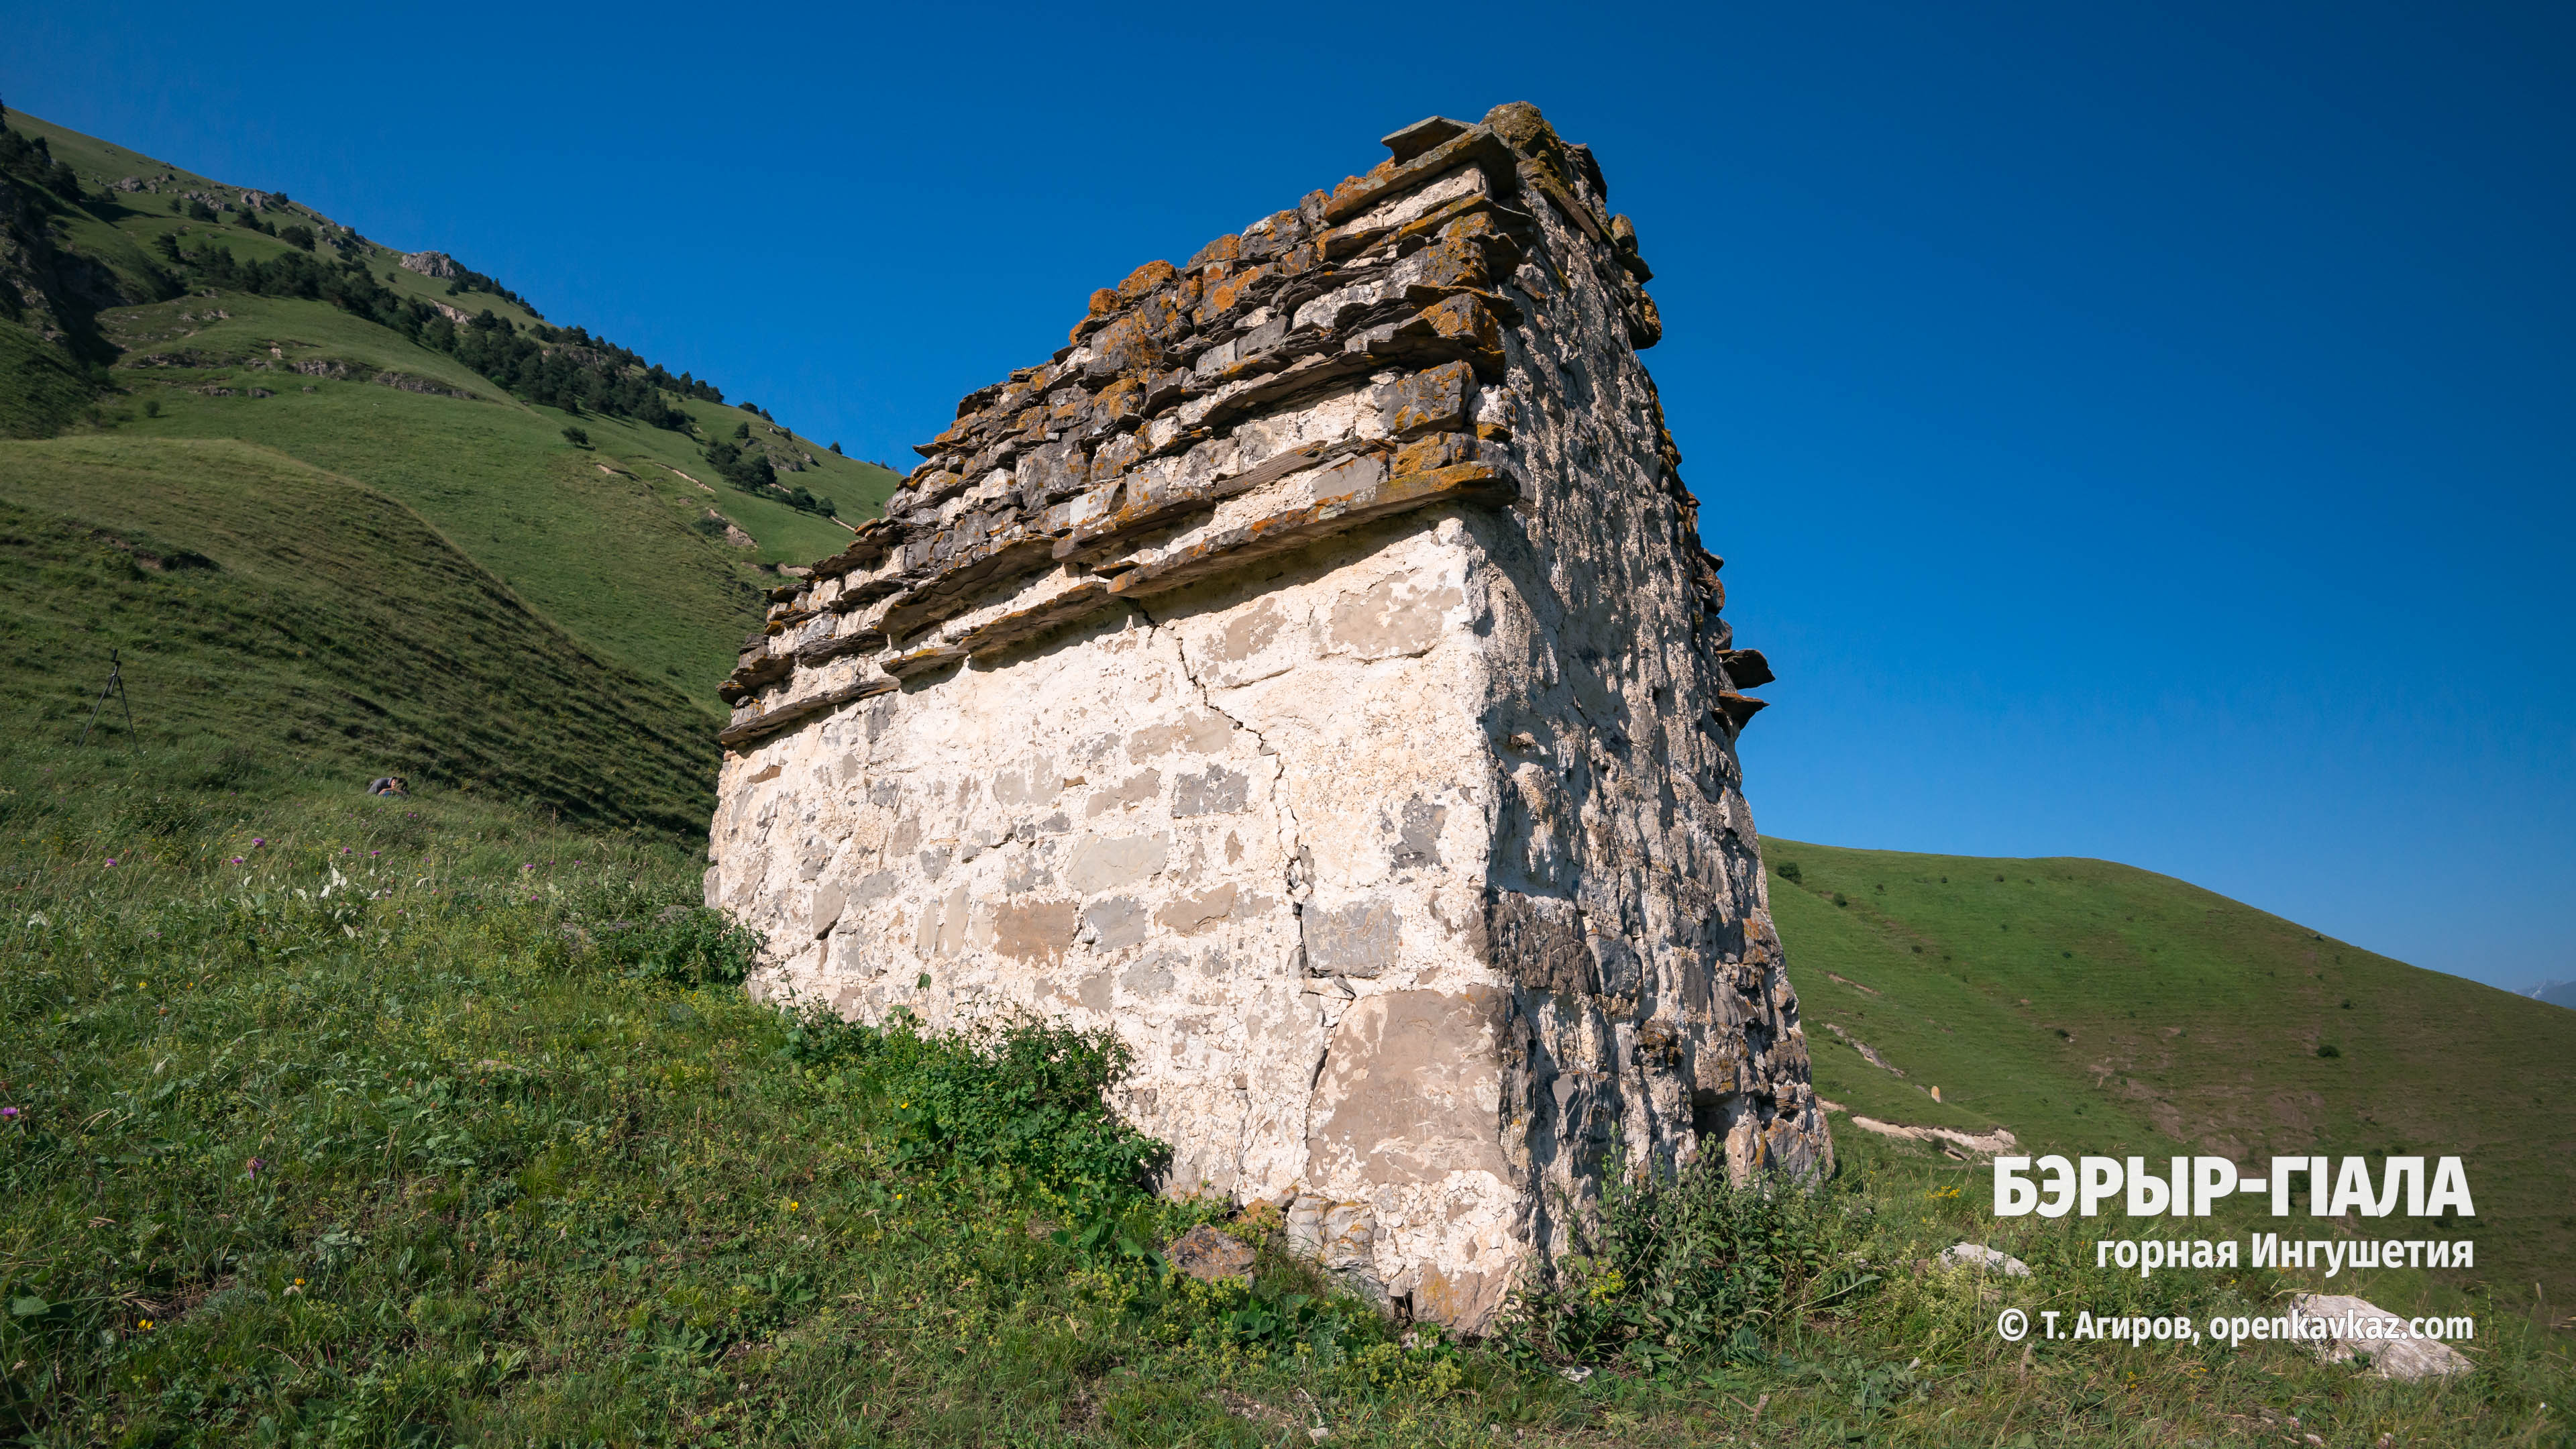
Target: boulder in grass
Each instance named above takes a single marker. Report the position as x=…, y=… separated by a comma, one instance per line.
x=1978, y=1255
x=1208, y=1255
x=2349, y=1324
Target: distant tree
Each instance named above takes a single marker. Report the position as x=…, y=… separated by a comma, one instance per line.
x=836, y=447
x=578, y=437
x=748, y=406
x=174, y=206
x=747, y=471
x=298, y=236
x=199, y=211
x=742, y=430
x=167, y=244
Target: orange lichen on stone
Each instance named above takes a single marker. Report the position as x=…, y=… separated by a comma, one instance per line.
x=1223, y=292
x=1145, y=279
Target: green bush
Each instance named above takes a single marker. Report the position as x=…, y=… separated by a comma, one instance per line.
x=1020, y=1099
x=1789, y=872
x=685, y=946
x=1683, y=1265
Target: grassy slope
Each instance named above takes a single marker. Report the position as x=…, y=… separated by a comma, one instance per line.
x=2095, y=1007
x=605, y=552
x=327, y=627
x=40, y=389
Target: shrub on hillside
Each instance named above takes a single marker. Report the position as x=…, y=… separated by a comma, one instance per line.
x=688, y=946
x=1683, y=1265
x=748, y=471
x=807, y=501
x=1024, y=1097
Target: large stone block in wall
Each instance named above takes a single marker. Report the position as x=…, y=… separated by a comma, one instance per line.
x=1314, y=674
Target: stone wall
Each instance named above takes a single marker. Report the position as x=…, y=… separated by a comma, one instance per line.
x=1312, y=672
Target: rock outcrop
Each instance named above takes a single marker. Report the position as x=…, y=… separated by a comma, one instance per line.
x=436, y=265
x=1312, y=672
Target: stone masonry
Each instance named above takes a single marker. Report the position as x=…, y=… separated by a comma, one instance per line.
x=1313, y=673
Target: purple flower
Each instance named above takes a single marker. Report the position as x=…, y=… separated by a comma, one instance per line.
x=375, y=852
x=237, y=860
x=255, y=1165
x=7, y=1113
x=111, y=862
x=530, y=866
x=258, y=841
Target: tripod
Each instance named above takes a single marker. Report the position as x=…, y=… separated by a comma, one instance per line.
x=115, y=685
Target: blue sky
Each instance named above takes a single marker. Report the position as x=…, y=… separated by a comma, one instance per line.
x=2137, y=433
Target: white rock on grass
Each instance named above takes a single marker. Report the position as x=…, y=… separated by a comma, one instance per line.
x=2395, y=1356
x=1964, y=1255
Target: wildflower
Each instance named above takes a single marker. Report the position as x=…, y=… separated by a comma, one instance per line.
x=257, y=841
x=531, y=865
x=8, y=1113
x=344, y=850
x=375, y=852
x=255, y=1165
x=144, y=1324
x=237, y=860
x=111, y=862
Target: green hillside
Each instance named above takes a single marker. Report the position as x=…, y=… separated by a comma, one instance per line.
x=175, y=310
x=2093, y=1007
x=278, y=620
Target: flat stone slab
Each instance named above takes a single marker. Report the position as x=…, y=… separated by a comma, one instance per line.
x=1209, y=1255
x=2351, y=1321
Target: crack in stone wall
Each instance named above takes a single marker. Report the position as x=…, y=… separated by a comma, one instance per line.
x=1314, y=673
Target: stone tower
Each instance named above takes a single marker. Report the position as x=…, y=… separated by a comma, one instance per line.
x=1312, y=672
